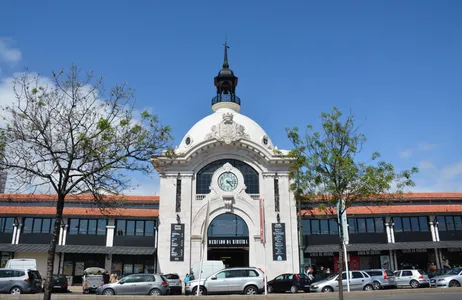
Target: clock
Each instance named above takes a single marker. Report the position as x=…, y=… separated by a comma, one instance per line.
x=227, y=181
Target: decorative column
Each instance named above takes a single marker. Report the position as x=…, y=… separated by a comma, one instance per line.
x=110, y=228
x=13, y=237
x=64, y=234
x=18, y=232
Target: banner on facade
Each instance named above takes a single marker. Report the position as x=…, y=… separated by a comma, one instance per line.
x=279, y=241
x=262, y=221
x=228, y=242
x=177, y=242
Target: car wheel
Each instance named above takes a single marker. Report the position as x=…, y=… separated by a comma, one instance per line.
x=16, y=290
x=368, y=287
x=376, y=285
x=251, y=290
x=293, y=289
x=270, y=288
x=454, y=283
x=155, y=292
x=414, y=284
x=327, y=289
x=202, y=291
x=108, y=292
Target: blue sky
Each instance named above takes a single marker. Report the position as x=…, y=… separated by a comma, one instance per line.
x=397, y=65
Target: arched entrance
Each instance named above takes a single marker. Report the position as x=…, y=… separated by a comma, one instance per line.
x=228, y=240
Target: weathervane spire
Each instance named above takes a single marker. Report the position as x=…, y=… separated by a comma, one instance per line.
x=225, y=61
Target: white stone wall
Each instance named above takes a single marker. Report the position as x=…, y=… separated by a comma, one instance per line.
x=193, y=212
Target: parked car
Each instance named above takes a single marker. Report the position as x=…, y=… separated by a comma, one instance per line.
x=60, y=284
x=136, y=284
x=438, y=272
x=19, y=281
x=289, y=282
x=359, y=280
x=412, y=277
x=382, y=278
x=229, y=281
x=175, y=284
x=453, y=278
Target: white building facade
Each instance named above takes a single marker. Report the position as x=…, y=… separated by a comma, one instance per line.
x=225, y=189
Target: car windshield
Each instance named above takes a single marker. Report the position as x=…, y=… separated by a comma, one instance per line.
x=331, y=276
x=455, y=271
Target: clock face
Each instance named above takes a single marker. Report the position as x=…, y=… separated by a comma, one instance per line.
x=227, y=181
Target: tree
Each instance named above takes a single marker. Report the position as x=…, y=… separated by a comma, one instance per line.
x=327, y=173
x=68, y=134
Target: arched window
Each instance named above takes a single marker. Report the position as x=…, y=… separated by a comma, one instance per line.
x=204, y=176
x=228, y=225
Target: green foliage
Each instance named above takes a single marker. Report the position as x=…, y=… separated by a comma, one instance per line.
x=326, y=169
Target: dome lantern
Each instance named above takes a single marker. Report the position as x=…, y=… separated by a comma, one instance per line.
x=226, y=83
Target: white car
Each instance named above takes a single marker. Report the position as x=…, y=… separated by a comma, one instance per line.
x=451, y=279
x=229, y=281
x=359, y=280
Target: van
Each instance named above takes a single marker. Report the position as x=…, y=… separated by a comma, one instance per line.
x=209, y=267
x=21, y=263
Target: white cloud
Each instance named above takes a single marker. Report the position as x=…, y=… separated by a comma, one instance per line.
x=426, y=146
x=426, y=164
x=8, y=54
x=452, y=171
x=406, y=153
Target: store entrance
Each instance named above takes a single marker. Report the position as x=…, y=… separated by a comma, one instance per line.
x=231, y=257
x=228, y=240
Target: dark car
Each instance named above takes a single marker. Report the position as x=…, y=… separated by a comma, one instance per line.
x=60, y=284
x=175, y=284
x=289, y=282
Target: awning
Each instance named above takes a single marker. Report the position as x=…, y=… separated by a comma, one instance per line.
x=79, y=249
x=24, y=248
x=123, y=250
x=388, y=246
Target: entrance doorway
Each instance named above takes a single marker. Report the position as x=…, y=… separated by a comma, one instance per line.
x=228, y=240
x=230, y=257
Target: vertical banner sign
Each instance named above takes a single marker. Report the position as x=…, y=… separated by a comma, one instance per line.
x=262, y=221
x=177, y=242
x=279, y=241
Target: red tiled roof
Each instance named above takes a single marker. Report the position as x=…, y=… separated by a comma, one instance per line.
x=79, y=211
x=392, y=209
x=81, y=197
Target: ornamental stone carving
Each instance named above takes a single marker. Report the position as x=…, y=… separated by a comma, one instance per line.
x=227, y=130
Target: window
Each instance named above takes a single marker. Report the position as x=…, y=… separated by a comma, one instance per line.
x=449, y=223
x=398, y=225
x=370, y=225
x=87, y=226
x=221, y=275
x=410, y=224
x=379, y=225
x=276, y=193
x=423, y=223
x=6, y=225
x=204, y=176
x=319, y=226
x=134, y=228
x=352, y=225
x=324, y=226
x=178, y=195
x=357, y=275
x=38, y=225
x=406, y=273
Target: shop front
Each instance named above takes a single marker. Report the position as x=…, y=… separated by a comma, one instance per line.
x=75, y=263
x=124, y=265
x=415, y=258
x=451, y=257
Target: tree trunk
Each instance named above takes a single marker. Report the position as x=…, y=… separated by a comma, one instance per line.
x=340, y=260
x=52, y=248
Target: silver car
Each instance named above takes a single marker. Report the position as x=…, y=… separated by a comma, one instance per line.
x=19, y=281
x=359, y=280
x=451, y=279
x=136, y=284
x=229, y=281
x=412, y=277
x=382, y=278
